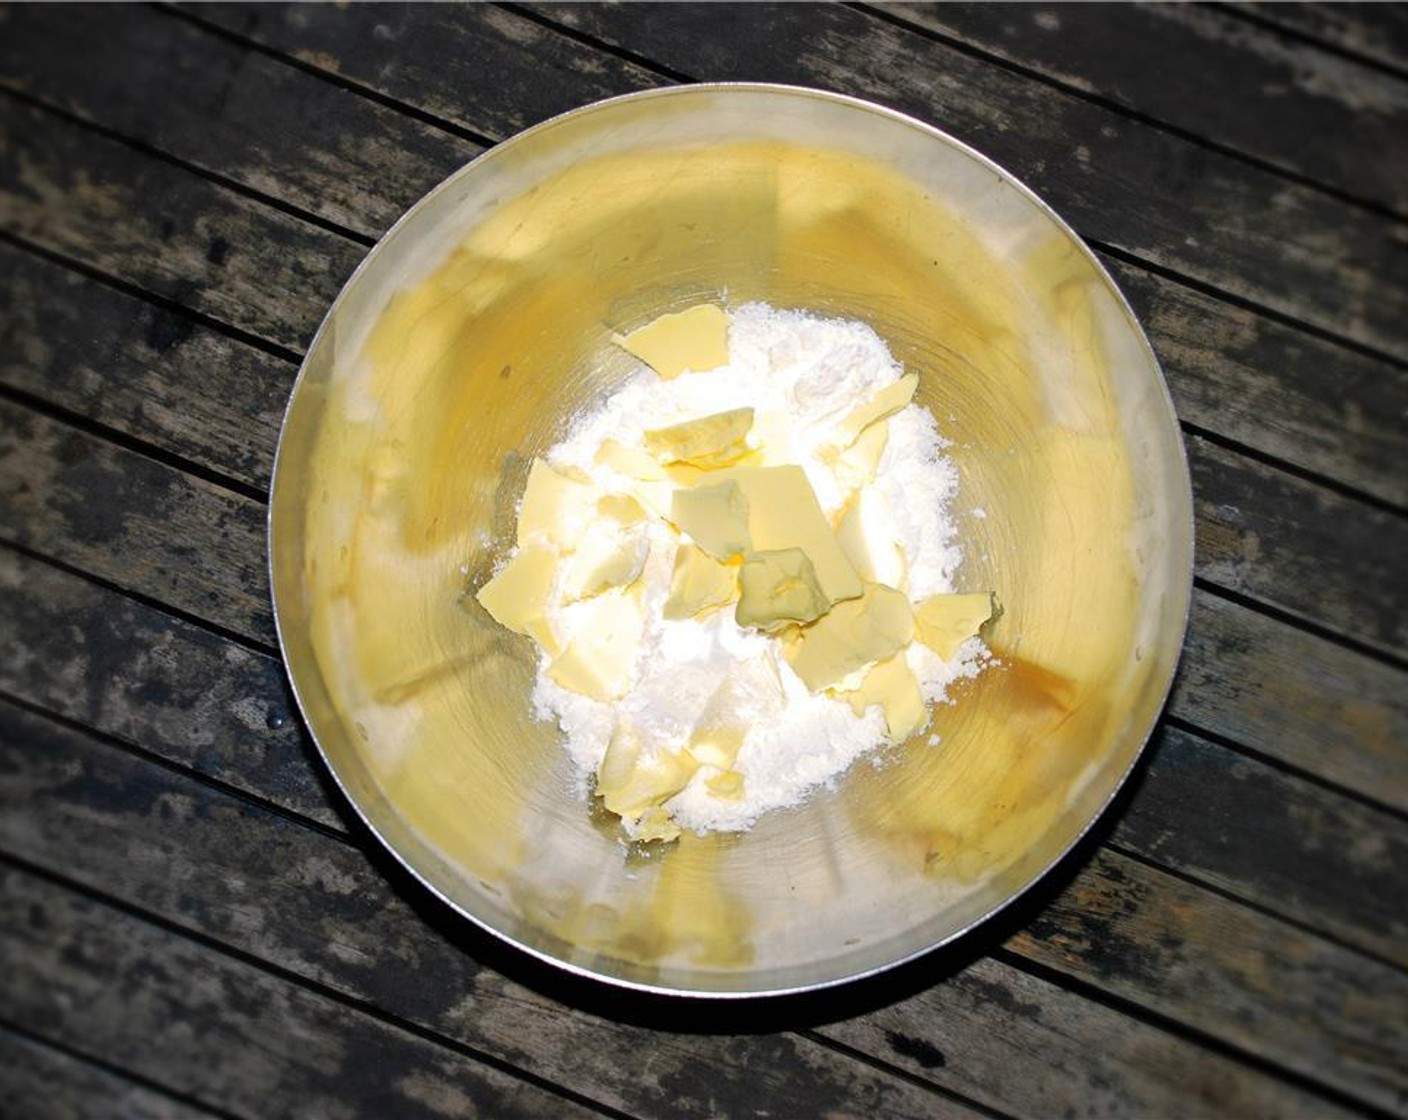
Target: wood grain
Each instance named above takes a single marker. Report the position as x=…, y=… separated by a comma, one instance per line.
x=1169, y=201
x=38, y=1082
x=161, y=684
x=480, y=68
x=146, y=371
x=1373, y=30
x=1262, y=835
x=1296, y=698
x=180, y=237
x=309, y=904
x=223, y=1031
x=1254, y=982
x=119, y=67
x=1208, y=74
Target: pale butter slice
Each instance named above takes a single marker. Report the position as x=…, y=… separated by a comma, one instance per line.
x=699, y=584
x=631, y=782
x=716, y=517
x=518, y=597
x=708, y=442
x=854, y=467
x=695, y=339
x=727, y=786
x=945, y=622
x=892, y=684
x=600, y=659
x=554, y=506
x=851, y=636
x=783, y=512
x=886, y=402
x=779, y=588
x=870, y=541
x=607, y=555
x=645, y=477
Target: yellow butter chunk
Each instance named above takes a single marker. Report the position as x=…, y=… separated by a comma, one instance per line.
x=607, y=555
x=621, y=508
x=655, y=824
x=855, y=466
x=886, y=402
x=632, y=782
x=783, y=512
x=600, y=659
x=699, y=584
x=868, y=538
x=944, y=622
x=519, y=595
x=779, y=588
x=728, y=785
x=716, y=516
x=554, y=506
x=707, y=443
x=892, y=684
x=646, y=478
x=696, y=339
x=851, y=636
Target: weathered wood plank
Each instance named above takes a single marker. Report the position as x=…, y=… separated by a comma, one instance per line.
x=172, y=688
x=38, y=1082
x=286, y=894
x=1295, y=697
x=1285, y=393
x=1300, y=547
x=225, y=1032
x=1304, y=852
x=1210, y=74
x=1280, y=391
x=315, y=906
x=161, y=80
x=1248, y=979
x=478, y=67
x=1172, y=202
x=1374, y=30
x=1034, y=1049
x=132, y=520
x=168, y=232
x=140, y=369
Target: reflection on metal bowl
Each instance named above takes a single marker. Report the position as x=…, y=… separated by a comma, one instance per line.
x=480, y=326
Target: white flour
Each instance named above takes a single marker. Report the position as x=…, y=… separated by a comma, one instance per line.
x=815, y=372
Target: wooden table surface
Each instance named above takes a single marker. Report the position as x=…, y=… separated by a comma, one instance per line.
x=190, y=922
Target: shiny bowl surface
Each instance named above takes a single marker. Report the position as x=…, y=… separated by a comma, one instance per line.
x=480, y=326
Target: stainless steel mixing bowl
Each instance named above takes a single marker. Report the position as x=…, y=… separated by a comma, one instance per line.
x=480, y=325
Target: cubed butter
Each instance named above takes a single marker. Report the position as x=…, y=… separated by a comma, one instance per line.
x=554, y=507
x=644, y=477
x=649, y=780
x=783, y=512
x=778, y=588
x=854, y=467
x=886, y=402
x=600, y=659
x=868, y=536
x=891, y=683
x=519, y=595
x=707, y=443
x=715, y=516
x=851, y=636
x=727, y=786
x=699, y=584
x=696, y=339
x=607, y=555
x=944, y=622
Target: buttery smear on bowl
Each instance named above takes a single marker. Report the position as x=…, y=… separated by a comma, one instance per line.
x=738, y=569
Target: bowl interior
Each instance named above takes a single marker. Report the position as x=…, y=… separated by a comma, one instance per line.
x=480, y=326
